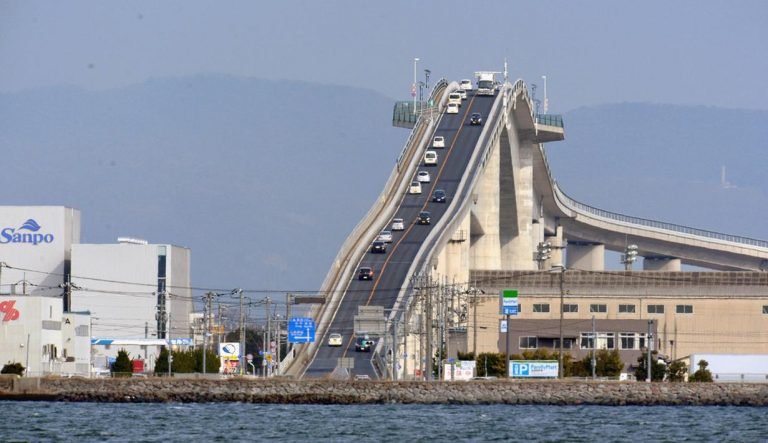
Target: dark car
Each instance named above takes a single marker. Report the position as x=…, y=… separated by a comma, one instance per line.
x=363, y=344
x=379, y=247
x=424, y=218
x=475, y=119
x=438, y=196
x=365, y=274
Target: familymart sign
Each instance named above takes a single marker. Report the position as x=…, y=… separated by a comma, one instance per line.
x=509, y=304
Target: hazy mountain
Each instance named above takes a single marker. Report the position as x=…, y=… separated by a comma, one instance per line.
x=664, y=162
x=264, y=180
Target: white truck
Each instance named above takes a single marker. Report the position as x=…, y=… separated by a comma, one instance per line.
x=486, y=82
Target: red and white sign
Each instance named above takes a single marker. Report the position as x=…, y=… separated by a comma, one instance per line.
x=7, y=310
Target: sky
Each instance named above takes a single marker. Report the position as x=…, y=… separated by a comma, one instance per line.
x=683, y=52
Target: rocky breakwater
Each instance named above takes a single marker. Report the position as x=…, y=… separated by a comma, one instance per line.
x=377, y=392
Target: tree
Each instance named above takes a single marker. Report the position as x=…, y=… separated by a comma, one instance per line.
x=161, y=363
x=658, y=370
x=676, y=371
x=13, y=368
x=491, y=364
x=607, y=364
x=183, y=362
x=212, y=362
x=122, y=367
x=702, y=375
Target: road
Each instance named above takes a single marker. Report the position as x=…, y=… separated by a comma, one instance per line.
x=391, y=269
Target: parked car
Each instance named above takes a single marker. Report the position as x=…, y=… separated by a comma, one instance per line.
x=365, y=273
x=424, y=218
x=438, y=196
x=476, y=119
x=423, y=177
x=378, y=247
x=438, y=141
x=385, y=236
x=452, y=108
x=430, y=158
x=415, y=188
x=398, y=224
x=334, y=339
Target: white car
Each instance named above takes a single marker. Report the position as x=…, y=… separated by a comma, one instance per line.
x=423, y=177
x=454, y=97
x=415, y=188
x=334, y=339
x=430, y=158
x=385, y=236
x=438, y=141
x=463, y=94
x=452, y=108
x=465, y=85
x=398, y=224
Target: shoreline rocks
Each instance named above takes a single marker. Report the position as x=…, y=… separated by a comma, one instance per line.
x=280, y=391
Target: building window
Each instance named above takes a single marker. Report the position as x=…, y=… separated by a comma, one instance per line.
x=567, y=343
x=605, y=340
x=765, y=309
x=627, y=340
x=655, y=309
x=598, y=308
x=570, y=307
x=684, y=309
x=626, y=309
x=528, y=342
x=541, y=307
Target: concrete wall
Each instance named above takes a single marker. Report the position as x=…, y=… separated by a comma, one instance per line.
x=33, y=338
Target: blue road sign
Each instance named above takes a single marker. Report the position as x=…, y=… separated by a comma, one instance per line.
x=510, y=310
x=301, y=330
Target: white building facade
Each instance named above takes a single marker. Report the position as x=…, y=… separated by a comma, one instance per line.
x=30, y=333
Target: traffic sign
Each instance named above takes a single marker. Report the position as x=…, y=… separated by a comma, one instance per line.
x=301, y=330
x=509, y=304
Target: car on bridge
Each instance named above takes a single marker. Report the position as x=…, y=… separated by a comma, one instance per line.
x=365, y=273
x=424, y=218
x=454, y=97
x=438, y=141
x=465, y=85
x=363, y=344
x=385, y=236
x=378, y=247
x=452, y=108
x=335, y=339
x=476, y=119
x=430, y=158
x=438, y=196
x=415, y=188
x=423, y=177
x=462, y=93
x=398, y=224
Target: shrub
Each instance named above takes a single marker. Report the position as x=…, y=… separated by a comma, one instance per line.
x=13, y=368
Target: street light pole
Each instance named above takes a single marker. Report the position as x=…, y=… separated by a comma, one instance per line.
x=561, y=269
x=546, y=102
x=413, y=88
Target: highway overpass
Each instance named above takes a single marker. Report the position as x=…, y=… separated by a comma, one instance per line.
x=503, y=205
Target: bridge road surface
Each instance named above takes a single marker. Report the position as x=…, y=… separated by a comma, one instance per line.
x=391, y=268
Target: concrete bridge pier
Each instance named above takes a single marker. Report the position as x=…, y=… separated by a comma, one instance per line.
x=661, y=263
x=585, y=256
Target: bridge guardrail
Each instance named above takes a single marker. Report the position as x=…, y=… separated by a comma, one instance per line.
x=574, y=204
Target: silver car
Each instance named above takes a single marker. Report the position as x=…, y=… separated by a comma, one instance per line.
x=423, y=177
x=385, y=236
x=398, y=224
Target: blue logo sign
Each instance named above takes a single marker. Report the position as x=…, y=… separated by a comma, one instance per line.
x=510, y=310
x=11, y=235
x=301, y=330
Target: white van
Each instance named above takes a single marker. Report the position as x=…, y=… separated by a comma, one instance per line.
x=454, y=97
x=430, y=158
x=465, y=85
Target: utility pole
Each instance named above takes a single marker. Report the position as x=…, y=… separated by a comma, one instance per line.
x=241, y=356
x=594, y=345
x=648, y=345
x=394, y=347
x=562, y=295
x=428, y=371
x=506, y=353
x=269, y=337
x=170, y=347
x=407, y=320
x=208, y=297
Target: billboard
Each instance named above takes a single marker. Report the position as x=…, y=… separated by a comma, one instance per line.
x=461, y=370
x=533, y=369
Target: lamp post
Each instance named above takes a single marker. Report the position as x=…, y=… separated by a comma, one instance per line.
x=560, y=269
x=629, y=257
x=413, y=88
x=427, y=72
x=546, y=102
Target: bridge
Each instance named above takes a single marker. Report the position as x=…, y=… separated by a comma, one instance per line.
x=504, y=212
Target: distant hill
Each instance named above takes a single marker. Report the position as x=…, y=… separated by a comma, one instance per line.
x=264, y=180
x=664, y=162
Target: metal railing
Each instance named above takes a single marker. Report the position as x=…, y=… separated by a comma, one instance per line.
x=550, y=120
x=578, y=206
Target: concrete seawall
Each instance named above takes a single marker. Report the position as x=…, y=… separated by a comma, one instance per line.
x=375, y=392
